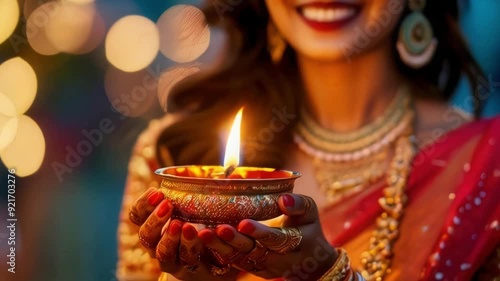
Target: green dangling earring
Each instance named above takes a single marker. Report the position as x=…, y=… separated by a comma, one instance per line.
x=416, y=44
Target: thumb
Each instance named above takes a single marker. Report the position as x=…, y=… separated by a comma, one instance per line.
x=299, y=209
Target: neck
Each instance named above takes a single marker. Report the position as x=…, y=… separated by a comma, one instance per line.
x=345, y=95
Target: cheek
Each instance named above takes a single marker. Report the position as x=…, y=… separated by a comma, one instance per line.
x=280, y=13
x=383, y=16
x=381, y=21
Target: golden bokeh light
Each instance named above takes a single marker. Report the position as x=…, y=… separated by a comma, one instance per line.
x=7, y=108
x=8, y=130
x=9, y=15
x=132, y=43
x=170, y=78
x=36, y=26
x=26, y=152
x=130, y=93
x=75, y=28
x=18, y=82
x=8, y=121
x=184, y=33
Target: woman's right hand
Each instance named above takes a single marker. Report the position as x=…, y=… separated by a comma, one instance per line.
x=173, y=243
x=297, y=250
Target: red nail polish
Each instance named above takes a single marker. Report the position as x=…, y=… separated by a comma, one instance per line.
x=226, y=234
x=247, y=228
x=174, y=228
x=155, y=198
x=189, y=232
x=207, y=237
x=288, y=200
x=163, y=209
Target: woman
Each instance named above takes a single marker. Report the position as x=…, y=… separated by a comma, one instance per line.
x=403, y=183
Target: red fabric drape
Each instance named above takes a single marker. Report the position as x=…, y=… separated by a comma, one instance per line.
x=471, y=229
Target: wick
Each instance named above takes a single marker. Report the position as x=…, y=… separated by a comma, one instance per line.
x=229, y=171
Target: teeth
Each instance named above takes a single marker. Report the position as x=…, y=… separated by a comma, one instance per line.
x=327, y=14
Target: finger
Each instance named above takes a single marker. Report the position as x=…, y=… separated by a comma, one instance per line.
x=144, y=205
x=190, y=248
x=222, y=252
x=150, y=231
x=299, y=209
x=232, y=237
x=279, y=240
x=168, y=247
x=255, y=260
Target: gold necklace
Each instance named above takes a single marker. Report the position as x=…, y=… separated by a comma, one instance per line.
x=369, y=139
x=358, y=173
x=339, y=180
x=344, y=173
x=377, y=260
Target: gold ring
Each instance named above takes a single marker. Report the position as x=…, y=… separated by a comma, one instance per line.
x=307, y=204
x=257, y=255
x=283, y=241
x=228, y=258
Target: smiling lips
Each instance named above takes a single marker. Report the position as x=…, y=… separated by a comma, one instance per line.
x=327, y=16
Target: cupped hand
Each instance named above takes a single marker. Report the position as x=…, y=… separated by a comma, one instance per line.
x=297, y=250
x=173, y=243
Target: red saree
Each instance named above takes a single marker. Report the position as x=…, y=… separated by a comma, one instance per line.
x=450, y=226
x=453, y=211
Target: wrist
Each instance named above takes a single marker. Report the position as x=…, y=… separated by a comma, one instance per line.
x=314, y=266
x=326, y=265
x=340, y=270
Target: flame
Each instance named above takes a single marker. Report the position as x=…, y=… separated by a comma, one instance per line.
x=232, y=154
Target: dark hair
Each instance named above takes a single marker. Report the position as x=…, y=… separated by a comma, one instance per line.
x=248, y=77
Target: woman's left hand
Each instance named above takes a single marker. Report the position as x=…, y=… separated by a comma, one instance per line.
x=175, y=244
x=299, y=249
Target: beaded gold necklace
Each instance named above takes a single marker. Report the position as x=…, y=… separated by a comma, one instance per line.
x=344, y=165
x=343, y=176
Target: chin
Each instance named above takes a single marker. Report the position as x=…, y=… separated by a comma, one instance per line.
x=328, y=52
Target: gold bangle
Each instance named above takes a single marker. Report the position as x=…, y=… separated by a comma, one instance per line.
x=340, y=270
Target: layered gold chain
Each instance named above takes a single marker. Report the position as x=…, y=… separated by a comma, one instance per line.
x=346, y=164
x=333, y=146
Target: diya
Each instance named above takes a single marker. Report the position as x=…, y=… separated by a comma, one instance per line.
x=213, y=195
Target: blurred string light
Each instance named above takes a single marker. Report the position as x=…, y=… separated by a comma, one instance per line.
x=170, y=78
x=8, y=121
x=36, y=26
x=18, y=82
x=26, y=152
x=77, y=28
x=132, y=43
x=22, y=145
x=185, y=34
x=64, y=26
x=9, y=16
